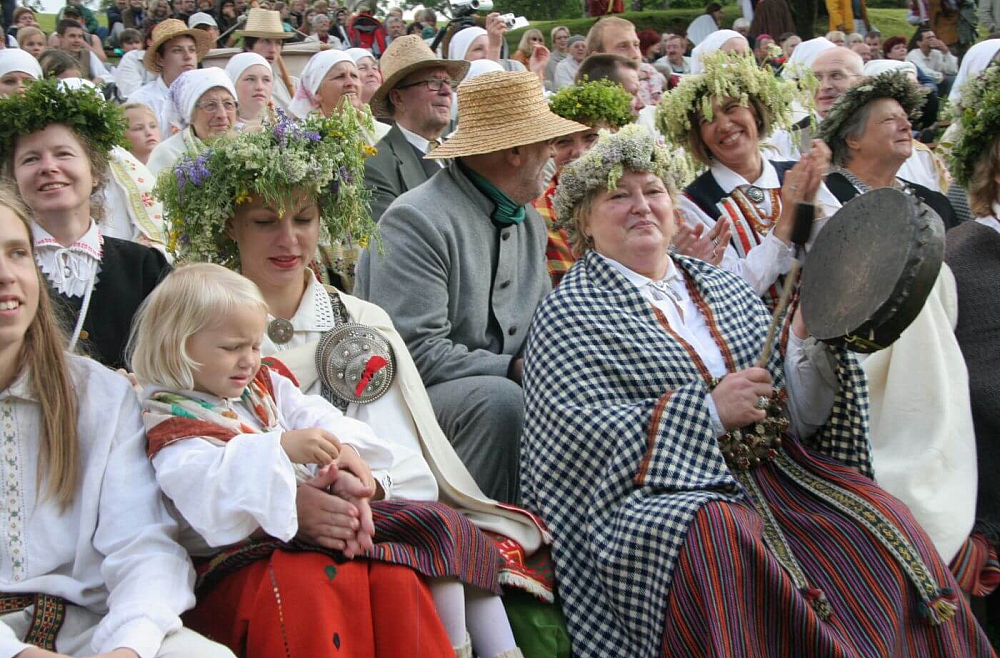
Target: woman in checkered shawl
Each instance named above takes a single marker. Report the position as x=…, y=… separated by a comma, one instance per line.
x=703, y=506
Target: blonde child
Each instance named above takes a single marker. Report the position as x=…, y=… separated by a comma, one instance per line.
x=143, y=132
x=231, y=442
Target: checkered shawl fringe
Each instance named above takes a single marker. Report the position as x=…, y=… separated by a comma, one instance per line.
x=618, y=452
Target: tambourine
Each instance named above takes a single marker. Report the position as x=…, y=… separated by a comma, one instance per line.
x=356, y=362
x=871, y=269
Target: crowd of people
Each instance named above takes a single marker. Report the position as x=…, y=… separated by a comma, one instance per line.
x=441, y=347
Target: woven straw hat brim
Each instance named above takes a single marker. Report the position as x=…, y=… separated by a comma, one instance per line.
x=203, y=42
x=498, y=138
x=264, y=24
x=257, y=34
x=380, y=107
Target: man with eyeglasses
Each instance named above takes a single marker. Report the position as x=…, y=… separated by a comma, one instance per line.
x=416, y=93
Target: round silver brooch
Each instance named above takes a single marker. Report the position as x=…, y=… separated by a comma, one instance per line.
x=755, y=194
x=356, y=362
x=280, y=331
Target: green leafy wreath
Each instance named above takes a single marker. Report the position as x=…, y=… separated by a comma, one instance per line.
x=594, y=103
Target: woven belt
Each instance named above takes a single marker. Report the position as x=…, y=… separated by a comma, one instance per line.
x=46, y=619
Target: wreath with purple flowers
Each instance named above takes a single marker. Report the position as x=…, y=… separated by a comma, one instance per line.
x=319, y=156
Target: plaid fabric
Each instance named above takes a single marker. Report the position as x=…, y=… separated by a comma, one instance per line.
x=558, y=252
x=618, y=452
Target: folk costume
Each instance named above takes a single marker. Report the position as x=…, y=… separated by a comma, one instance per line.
x=106, y=572
x=661, y=547
x=235, y=478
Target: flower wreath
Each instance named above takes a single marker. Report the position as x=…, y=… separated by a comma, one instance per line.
x=46, y=102
x=896, y=85
x=726, y=75
x=978, y=117
x=633, y=148
x=323, y=156
x=593, y=103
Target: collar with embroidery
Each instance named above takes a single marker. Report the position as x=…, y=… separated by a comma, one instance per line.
x=71, y=270
x=315, y=311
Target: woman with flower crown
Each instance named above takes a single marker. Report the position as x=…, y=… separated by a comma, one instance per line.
x=261, y=202
x=57, y=139
x=721, y=117
x=703, y=504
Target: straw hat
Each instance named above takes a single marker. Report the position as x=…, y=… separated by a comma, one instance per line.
x=501, y=110
x=264, y=24
x=404, y=56
x=171, y=29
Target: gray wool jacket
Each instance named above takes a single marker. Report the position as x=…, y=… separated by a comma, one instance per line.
x=459, y=288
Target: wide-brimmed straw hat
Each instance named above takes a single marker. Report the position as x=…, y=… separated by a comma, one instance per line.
x=501, y=110
x=264, y=24
x=171, y=29
x=404, y=56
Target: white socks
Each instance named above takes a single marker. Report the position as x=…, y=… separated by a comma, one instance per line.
x=461, y=607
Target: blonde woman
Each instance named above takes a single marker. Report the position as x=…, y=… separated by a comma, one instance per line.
x=81, y=500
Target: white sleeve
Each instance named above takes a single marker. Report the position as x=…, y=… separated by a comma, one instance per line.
x=97, y=69
x=563, y=78
x=949, y=64
x=10, y=646
x=811, y=379
x=763, y=264
x=226, y=492
x=302, y=411
x=128, y=76
x=147, y=573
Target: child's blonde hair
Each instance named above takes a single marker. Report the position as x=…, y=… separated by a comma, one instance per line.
x=142, y=107
x=191, y=299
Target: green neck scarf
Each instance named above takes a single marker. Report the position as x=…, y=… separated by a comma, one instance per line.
x=505, y=211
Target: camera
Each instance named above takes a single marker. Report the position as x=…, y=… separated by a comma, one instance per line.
x=469, y=6
x=513, y=23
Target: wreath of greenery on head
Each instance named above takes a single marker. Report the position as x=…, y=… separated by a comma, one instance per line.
x=633, y=148
x=45, y=102
x=896, y=85
x=321, y=156
x=978, y=117
x=726, y=75
x=594, y=103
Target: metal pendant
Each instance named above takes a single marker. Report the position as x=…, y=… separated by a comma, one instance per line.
x=755, y=194
x=280, y=331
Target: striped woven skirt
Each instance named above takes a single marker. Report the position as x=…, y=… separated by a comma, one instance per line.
x=429, y=537
x=730, y=596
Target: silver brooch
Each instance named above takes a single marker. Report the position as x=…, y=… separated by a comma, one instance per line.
x=755, y=194
x=356, y=362
x=280, y=331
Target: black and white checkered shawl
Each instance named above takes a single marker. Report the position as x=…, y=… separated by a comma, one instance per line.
x=618, y=452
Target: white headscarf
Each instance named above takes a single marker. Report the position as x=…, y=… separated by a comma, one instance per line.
x=710, y=44
x=461, y=41
x=358, y=54
x=240, y=63
x=975, y=62
x=317, y=67
x=877, y=66
x=804, y=56
x=15, y=59
x=476, y=68
x=190, y=86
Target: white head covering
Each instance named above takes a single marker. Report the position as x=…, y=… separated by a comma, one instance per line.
x=476, y=68
x=15, y=59
x=975, y=62
x=877, y=66
x=72, y=84
x=240, y=63
x=317, y=67
x=461, y=41
x=201, y=18
x=358, y=54
x=710, y=44
x=804, y=56
x=190, y=86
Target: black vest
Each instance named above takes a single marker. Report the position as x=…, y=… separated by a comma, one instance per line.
x=129, y=272
x=844, y=190
x=706, y=193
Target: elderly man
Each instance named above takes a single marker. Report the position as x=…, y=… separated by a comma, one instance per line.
x=416, y=95
x=395, y=27
x=175, y=48
x=263, y=34
x=464, y=268
x=675, y=62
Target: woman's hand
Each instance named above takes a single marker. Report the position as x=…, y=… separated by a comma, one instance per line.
x=325, y=520
x=349, y=488
x=311, y=446
x=35, y=652
x=350, y=462
x=708, y=246
x=801, y=185
x=495, y=29
x=539, y=60
x=737, y=395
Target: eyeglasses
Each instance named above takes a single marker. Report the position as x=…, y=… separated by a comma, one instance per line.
x=211, y=107
x=434, y=84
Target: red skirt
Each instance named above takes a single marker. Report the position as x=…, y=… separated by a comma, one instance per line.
x=306, y=605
